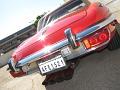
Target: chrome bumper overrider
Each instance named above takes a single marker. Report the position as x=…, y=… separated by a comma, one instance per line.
x=76, y=52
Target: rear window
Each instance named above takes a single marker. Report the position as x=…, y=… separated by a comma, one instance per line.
x=61, y=11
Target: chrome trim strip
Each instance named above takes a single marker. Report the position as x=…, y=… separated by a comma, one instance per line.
x=37, y=55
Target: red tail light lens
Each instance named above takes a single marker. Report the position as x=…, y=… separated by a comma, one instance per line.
x=93, y=40
x=103, y=37
x=96, y=39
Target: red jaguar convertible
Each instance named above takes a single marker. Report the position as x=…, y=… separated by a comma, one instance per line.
x=72, y=30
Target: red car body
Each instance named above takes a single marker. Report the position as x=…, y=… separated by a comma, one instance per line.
x=89, y=28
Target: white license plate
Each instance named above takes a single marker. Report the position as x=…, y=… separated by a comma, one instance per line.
x=52, y=64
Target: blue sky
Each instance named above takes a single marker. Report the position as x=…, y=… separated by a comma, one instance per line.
x=17, y=14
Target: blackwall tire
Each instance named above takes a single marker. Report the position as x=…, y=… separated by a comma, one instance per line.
x=115, y=42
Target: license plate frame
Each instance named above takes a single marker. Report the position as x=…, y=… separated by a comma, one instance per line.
x=46, y=66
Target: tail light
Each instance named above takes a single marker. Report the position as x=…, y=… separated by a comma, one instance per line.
x=96, y=38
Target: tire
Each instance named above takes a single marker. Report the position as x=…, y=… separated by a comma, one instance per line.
x=115, y=42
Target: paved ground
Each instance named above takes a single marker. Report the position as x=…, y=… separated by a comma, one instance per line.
x=99, y=71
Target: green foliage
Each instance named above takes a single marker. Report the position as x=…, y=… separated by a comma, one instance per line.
x=38, y=18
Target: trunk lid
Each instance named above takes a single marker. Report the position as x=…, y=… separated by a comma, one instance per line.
x=52, y=33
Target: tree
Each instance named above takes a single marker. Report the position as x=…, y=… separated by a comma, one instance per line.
x=38, y=18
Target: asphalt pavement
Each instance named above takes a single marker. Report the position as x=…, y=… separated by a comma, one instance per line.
x=97, y=71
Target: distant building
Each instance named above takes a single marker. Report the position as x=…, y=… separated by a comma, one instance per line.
x=86, y=1
x=12, y=41
x=66, y=0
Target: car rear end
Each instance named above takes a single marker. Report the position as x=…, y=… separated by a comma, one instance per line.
x=92, y=39
x=56, y=57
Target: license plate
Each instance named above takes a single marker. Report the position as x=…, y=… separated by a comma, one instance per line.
x=52, y=64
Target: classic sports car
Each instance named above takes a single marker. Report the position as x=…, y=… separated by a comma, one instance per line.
x=73, y=30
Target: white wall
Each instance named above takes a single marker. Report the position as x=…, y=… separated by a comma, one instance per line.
x=4, y=58
x=113, y=5
x=103, y=1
